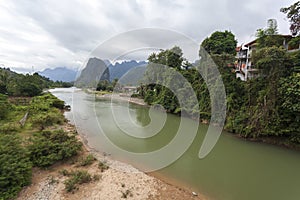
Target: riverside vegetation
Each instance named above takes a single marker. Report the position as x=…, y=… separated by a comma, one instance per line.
x=40, y=142
x=265, y=108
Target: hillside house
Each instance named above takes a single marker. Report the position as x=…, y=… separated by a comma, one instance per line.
x=244, y=66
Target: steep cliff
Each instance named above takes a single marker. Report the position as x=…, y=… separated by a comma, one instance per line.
x=94, y=71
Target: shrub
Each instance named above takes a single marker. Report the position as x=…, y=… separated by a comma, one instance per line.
x=45, y=102
x=46, y=119
x=126, y=194
x=64, y=172
x=103, y=166
x=86, y=161
x=15, y=166
x=57, y=103
x=97, y=177
x=77, y=178
x=48, y=147
x=8, y=128
x=4, y=106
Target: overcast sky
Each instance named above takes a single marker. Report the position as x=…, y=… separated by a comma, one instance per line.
x=49, y=34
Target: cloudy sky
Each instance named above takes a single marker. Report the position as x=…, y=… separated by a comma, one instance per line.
x=49, y=34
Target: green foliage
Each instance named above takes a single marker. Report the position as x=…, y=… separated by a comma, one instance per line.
x=46, y=119
x=64, y=172
x=293, y=13
x=272, y=60
x=44, y=111
x=289, y=107
x=102, y=166
x=49, y=147
x=104, y=85
x=27, y=85
x=294, y=58
x=220, y=42
x=4, y=106
x=10, y=127
x=294, y=43
x=88, y=160
x=170, y=57
x=42, y=149
x=15, y=166
x=57, y=103
x=76, y=178
x=261, y=107
x=269, y=37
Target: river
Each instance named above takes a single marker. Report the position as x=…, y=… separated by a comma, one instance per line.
x=235, y=169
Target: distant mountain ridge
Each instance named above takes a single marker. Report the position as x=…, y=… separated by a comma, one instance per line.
x=59, y=74
x=91, y=70
x=119, y=69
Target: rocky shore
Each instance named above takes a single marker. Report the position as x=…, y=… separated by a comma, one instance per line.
x=121, y=97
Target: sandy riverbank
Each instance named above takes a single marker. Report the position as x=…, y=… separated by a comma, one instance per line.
x=121, y=97
x=120, y=178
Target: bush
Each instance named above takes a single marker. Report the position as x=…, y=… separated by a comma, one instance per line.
x=64, y=172
x=86, y=161
x=57, y=103
x=46, y=119
x=4, y=106
x=77, y=178
x=8, y=128
x=15, y=166
x=126, y=194
x=45, y=102
x=103, y=166
x=48, y=147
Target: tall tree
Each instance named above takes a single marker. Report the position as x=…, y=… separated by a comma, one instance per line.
x=293, y=13
x=268, y=37
x=220, y=42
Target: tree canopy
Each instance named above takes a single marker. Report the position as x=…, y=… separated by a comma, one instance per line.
x=220, y=42
x=14, y=84
x=293, y=13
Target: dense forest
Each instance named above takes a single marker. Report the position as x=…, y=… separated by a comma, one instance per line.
x=14, y=84
x=265, y=107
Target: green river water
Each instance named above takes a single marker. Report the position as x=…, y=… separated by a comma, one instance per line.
x=234, y=170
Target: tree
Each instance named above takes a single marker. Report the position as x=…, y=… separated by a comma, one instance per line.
x=103, y=85
x=272, y=60
x=268, y=37
x=293, y=13
x=272, y=28
x=220, y=42
x=289, y=107
x=170, y=57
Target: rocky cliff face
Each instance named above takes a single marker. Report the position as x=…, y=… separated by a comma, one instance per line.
x=94, y=71
x=119, y=69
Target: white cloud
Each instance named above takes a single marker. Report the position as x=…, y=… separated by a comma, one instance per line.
x=57, y=33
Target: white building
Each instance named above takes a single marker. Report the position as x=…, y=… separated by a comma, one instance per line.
x=244, y=66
